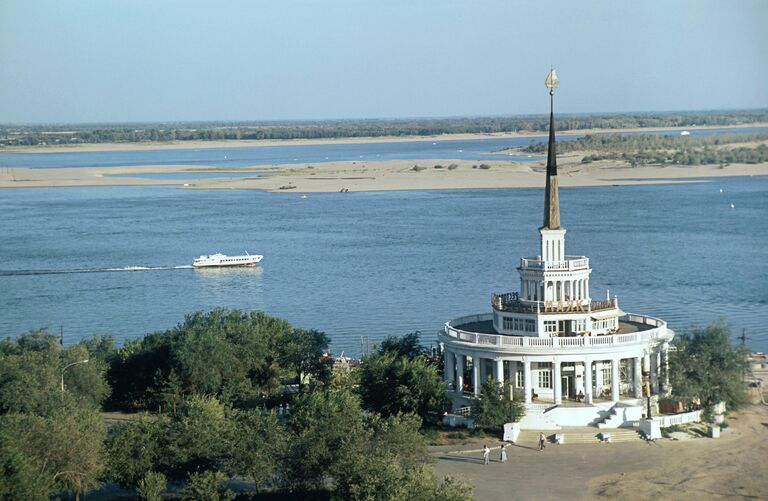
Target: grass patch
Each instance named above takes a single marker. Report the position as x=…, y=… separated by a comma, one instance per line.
x=440, y=435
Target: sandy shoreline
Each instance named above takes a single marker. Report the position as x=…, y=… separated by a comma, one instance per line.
x=350, y=140
x=379, y=176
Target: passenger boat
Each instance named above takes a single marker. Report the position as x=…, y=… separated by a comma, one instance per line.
x=222, y=260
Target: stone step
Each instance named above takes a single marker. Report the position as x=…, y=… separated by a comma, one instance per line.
x=579, y=436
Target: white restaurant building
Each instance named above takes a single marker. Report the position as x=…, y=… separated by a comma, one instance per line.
x=573, y=360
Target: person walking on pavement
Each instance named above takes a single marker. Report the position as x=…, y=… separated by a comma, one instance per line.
x=486, y=454
x=503, y=454
x=542, y=440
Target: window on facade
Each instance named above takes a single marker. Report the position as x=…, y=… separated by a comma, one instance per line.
x=550, y=326
x=519, y=380
x=545, y=379
x=530, y=326
x=606, y=371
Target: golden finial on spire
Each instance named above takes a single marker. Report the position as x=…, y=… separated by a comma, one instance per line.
x=552, y=82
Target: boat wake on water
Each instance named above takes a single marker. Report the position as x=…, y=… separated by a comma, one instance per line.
x=8, y=273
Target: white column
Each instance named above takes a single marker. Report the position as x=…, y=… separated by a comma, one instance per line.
x=665, y=369
x=654, y=373
x=527, y=386
x=588, y=381
x=637, y=377
x=500, y=371
x=476, y=375
x=460, y=363
x=449, y=366
x=615, y=379
x=557, y=383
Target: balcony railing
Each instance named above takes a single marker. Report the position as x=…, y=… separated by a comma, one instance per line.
x=512, y=303
x=571, y=263
x=656, y=330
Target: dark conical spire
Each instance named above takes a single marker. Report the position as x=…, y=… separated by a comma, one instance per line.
x=551, y=198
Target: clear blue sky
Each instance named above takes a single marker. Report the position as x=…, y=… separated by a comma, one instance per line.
x=158, y=60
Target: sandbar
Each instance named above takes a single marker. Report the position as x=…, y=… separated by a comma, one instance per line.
x=390, y=175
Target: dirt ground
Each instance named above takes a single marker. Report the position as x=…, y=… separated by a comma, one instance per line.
x=734, y=466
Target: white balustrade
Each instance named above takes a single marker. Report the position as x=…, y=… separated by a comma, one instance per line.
x=677, y=419
x=503, y=341
x=571, y=263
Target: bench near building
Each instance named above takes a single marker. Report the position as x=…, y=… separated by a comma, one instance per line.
x=573, y=360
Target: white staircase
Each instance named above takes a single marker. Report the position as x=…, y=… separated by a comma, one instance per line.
x=577, y=435
x=622, y=415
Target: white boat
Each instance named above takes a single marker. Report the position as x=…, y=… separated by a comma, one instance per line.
x=221, y=260
x=685, y=133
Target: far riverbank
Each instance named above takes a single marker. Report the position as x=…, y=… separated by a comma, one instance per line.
x=348, y=140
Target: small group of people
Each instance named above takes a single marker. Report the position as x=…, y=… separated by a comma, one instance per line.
x=503, y=451
x=487, y=454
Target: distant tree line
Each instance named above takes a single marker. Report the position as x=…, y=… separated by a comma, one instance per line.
x=640, y=149
x=54, y=134
x=223, y=395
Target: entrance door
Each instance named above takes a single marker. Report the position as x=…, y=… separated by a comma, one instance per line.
x=565, y=385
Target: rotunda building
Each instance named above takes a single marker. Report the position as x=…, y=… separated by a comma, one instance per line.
x=573, y=360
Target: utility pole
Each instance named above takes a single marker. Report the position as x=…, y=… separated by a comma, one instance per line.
x=743, y=339
x=61, y=335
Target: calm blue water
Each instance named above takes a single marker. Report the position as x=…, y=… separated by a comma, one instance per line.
x=472, y=149
x=372, y=264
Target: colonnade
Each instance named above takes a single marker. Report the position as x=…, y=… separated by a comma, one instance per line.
x=592, y=384
x=555, y=290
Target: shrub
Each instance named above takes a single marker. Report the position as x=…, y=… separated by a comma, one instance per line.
x=151, y=486
x=453, y=166
x=417, y=168
x=208, y=486
x=485, y=166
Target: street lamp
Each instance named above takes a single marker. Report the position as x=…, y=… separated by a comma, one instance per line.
x=67, y=367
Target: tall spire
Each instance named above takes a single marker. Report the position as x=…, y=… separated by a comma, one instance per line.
x=551, y=198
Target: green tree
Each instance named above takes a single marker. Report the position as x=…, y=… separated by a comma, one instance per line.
x=225, y=353
x=31, y=368
x=207, y=486
x=408, y=346
x=199, y=436
x=19, y=477
x=495, y=407
x=301, y=350
x=151, y=486
x=400, y=379
x=326, y=425
x=391, y=462
x=134, y=449
x=706, y=367
x=66, y=447
x=258, y=444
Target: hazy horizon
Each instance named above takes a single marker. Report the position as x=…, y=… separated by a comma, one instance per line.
x=86, y=62
x=401, y=118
